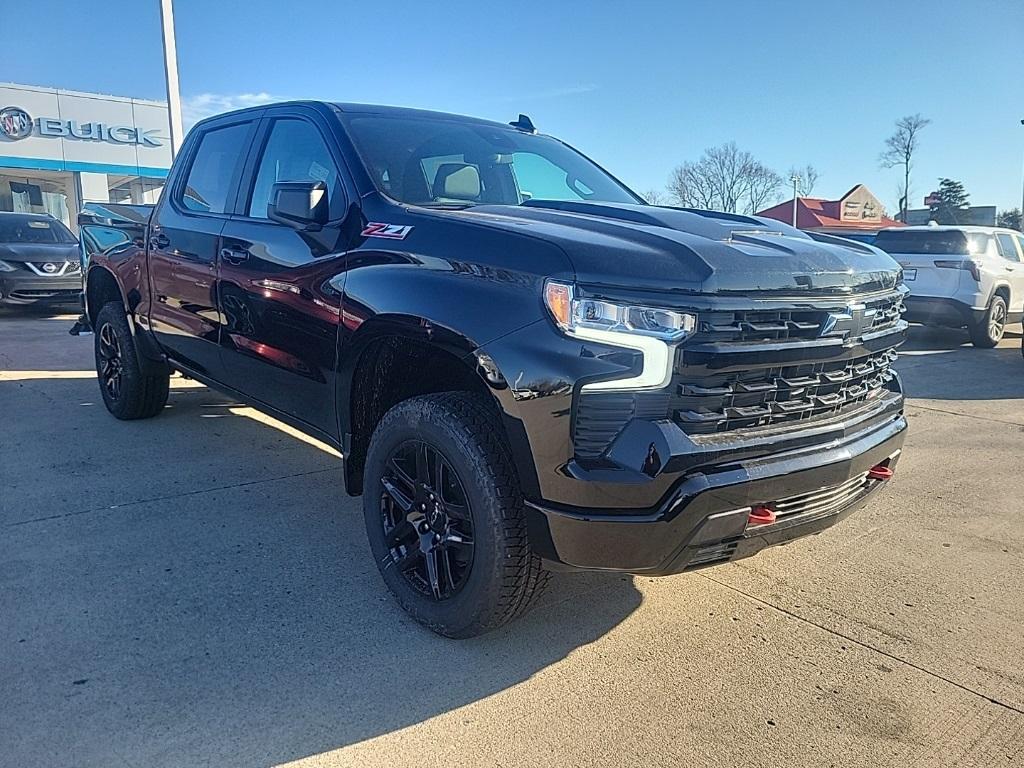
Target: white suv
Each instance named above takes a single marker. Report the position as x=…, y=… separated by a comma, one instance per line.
x=961, y=276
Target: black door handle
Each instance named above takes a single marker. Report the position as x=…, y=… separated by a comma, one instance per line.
x=234, y=255
x=159, y=240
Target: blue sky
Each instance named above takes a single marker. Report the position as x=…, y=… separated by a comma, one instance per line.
x=639, y=86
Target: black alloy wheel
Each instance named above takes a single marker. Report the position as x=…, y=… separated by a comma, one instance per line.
x=129, y=392
x=428, y=527
x=111, y=361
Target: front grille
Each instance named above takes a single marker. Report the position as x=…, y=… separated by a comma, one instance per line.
x=767, y=396
x=52, y=268
x=783, y=325
x=823, y=500
x=29, y=293
x=746, y=370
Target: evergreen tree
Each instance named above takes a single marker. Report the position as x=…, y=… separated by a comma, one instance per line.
x=952, y=203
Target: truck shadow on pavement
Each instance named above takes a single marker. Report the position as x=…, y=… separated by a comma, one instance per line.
x=197, y=591
x=965, y=372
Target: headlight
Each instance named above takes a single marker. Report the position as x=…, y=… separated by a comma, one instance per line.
x=651, y=330
x=5, y=267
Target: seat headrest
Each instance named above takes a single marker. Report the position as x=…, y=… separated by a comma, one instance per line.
x=457, y=181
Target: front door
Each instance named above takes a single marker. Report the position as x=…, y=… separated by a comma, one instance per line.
x=184, y=243
x=278, y=288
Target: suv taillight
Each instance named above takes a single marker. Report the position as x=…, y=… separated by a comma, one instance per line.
x=966, y=264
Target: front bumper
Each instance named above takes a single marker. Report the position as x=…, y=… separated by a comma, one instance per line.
x=705, y=520
x=24, y=289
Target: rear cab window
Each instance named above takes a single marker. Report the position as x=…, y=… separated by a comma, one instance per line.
x=208, y=186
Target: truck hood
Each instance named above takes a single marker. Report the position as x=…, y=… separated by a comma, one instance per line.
x=654, y=248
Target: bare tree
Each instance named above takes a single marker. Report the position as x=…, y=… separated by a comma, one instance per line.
x=808, y=178
x=655, y=197
x=899, y=151
x=762, y=189
x=726, y=179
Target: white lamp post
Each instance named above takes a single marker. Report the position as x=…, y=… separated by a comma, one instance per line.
x=171, y=75
x=796, y=186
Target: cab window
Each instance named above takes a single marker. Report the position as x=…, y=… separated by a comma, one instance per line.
x=213, y=168
x=295, y=151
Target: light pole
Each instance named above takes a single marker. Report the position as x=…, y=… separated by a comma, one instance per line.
x=171, y=75
x=796, y=186
x=1022, y=195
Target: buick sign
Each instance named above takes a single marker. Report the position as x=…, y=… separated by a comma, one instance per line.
x=16, y=123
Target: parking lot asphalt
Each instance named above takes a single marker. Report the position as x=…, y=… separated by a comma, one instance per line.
x=196, y=590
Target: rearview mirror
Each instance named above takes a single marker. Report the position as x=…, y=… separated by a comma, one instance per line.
x=299, y=204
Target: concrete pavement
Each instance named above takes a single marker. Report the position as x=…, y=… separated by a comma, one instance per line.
x=197, y=590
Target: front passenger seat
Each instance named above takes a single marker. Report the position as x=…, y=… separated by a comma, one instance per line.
x=457, y=183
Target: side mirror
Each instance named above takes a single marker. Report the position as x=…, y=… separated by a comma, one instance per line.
x=299, y=204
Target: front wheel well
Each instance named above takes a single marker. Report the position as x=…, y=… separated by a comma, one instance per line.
x=101, y=288
x=392, y=369
x=1004, y=291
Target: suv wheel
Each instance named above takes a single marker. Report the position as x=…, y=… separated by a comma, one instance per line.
x=988, y=331
x=127, y=392
x=444, y=516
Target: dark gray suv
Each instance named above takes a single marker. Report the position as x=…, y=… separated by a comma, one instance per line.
x=38, y=260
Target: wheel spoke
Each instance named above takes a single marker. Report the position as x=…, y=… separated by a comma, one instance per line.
x=433, y=576
x=446, y=563
x=402, y=476
x=422, y=464
x=458, y=539
x=456, y=511
x=397, y=496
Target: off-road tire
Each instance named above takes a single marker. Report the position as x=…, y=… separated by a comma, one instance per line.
x=140, y=395
x=988, y=331
x=506, y=577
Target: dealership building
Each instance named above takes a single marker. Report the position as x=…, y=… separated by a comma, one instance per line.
x=60, y=149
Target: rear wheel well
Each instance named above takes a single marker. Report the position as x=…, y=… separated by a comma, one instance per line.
x=390, y=370
x=1004, y=291
x=100, y=289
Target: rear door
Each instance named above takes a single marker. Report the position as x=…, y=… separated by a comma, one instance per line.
x=184, y=242
x=277, y=285
x=1013, y=268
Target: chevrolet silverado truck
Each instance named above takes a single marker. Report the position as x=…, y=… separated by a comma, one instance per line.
x=525, y=367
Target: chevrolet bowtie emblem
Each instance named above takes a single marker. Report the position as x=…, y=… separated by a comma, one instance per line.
x=851, y=323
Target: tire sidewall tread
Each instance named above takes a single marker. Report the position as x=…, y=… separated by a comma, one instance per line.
x=506, y=576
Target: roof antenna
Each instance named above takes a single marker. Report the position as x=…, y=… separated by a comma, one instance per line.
x=524, y=123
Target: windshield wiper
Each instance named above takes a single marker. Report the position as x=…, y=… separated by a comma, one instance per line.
x=447, y=206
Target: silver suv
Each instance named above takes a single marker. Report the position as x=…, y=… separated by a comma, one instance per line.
x=961, y=276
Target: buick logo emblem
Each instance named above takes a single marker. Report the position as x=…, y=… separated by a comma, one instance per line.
x=15, y=123
x=49, y=267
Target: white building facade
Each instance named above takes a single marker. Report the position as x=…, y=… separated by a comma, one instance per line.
x=60, y=149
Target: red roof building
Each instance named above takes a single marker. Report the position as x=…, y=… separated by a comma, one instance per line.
x=858, y=210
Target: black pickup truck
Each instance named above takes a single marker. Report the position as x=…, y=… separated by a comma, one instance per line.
x=525, y=367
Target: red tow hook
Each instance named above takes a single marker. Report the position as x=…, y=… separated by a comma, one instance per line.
x=761, y=514
x=880, y=472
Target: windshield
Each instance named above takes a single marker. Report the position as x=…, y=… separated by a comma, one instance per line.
x=424, y=161
x=947, y=242
x=26, y=230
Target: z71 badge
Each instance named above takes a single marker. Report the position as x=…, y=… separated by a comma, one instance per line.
x=389, y=231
